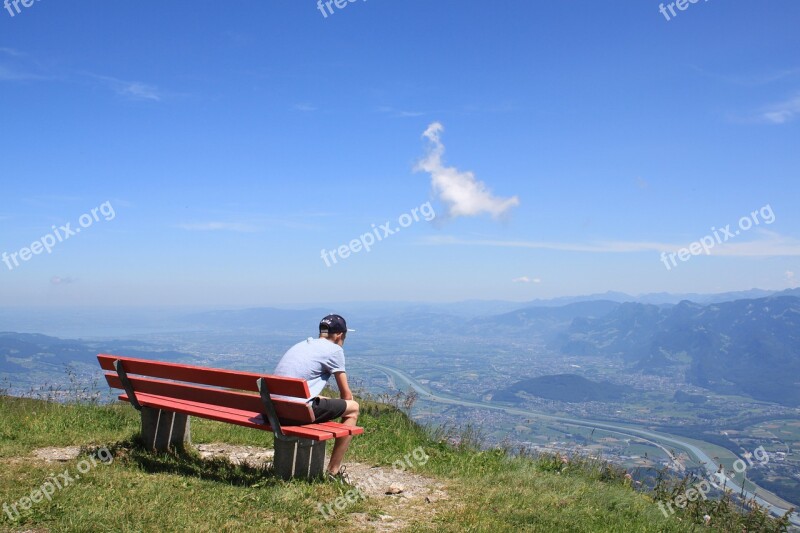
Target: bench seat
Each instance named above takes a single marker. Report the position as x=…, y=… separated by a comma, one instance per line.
x=250, y=419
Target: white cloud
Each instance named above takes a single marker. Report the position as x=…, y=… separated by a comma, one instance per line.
x=139, y=91
x=135, y=90
x=20, y=67
x=400, y=113
x=782, y=112
x=769, y=245
x=463, y=194
x=526, y=279
x=791, y=280
x=22, y=70
x=219, y=226
x=304, y=107
x=58, y=280
x=8, y=74
x=750, y=79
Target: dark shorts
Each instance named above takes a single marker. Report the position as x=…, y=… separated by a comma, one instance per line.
x=326, y=409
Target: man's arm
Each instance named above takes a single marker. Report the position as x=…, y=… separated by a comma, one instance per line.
x=344, y=388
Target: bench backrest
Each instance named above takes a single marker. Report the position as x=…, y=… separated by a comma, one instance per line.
x=210, y=386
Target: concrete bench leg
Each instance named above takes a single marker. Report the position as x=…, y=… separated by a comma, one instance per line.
x=164, y=430
x=295, y=457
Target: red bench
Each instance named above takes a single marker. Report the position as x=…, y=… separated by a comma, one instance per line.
x=167, y=394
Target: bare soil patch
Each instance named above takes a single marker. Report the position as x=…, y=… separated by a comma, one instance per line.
x=57, y=455
x=403, y=495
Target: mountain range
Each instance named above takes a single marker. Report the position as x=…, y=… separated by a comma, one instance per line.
x=20, y=352
x=729, y=343
x=743, y=346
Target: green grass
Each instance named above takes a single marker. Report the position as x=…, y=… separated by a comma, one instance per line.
x=139, y=491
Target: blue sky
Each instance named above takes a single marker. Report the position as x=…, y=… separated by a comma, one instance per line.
x=569, y=143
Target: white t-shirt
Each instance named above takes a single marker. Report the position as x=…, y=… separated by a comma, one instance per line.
x=314, y=360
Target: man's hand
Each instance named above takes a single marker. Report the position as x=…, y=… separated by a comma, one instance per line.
x=344, y=388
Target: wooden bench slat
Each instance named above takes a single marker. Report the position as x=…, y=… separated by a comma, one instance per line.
x=249, y=419
x=286, y=410
x=351, y=430
x=354, y=430
x=215, y=377
x=335, y=428
x=337, y=432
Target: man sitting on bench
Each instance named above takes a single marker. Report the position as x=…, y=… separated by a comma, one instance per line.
x=315, y=360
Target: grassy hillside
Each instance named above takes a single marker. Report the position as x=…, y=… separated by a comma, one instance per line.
x=138, y=491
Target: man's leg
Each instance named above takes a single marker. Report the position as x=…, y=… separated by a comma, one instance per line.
x=349, y=418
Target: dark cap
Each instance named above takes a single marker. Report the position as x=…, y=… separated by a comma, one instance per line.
x=333, y=324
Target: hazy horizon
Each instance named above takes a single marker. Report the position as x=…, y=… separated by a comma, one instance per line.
x=324, y=303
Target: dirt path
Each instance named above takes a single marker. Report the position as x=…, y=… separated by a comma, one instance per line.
x=57, y=455
x=403, y=496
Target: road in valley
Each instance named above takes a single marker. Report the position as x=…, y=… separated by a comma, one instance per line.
x=661, y=440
